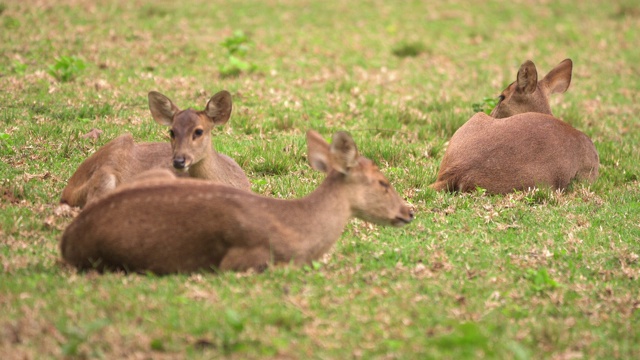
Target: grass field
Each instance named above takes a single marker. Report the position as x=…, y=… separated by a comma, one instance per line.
x=523, y=276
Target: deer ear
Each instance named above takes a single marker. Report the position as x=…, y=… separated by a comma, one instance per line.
x=344, y=153
x=162, y=109
x=558, y=79
x=318, y=152
x=219, y=107
x=527, y=80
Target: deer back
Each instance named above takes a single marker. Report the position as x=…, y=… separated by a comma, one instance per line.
x=517, y=153
x=114, y=163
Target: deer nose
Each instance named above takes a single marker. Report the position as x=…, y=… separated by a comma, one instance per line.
x=179, y=163
x=410, y=216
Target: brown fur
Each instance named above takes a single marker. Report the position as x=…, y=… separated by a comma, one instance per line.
x=527, y=94
x=522, y=146
x=121, y=159
x=185, y=225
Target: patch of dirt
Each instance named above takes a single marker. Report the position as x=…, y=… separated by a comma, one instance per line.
x=8, y=196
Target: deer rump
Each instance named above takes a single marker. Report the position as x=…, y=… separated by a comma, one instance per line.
x=516, y=153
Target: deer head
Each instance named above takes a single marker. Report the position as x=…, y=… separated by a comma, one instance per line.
x=527, y=94
x=190, y=130
x=372, y=198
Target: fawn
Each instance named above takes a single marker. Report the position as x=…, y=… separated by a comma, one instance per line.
x=121, y=159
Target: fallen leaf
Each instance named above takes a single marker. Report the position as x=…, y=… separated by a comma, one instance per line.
x=93, y=134
x=8, y=196
x=64, y=210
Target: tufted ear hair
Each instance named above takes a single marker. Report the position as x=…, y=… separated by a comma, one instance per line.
x=527, y=80
x=162, y=109
x=218, y=108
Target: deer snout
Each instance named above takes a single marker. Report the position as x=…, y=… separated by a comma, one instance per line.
x=406, y=216
x=179, y=162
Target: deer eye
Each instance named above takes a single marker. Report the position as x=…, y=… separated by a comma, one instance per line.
x=383, y=184
x=198, y=132
x=172, y=134
x=500, y=98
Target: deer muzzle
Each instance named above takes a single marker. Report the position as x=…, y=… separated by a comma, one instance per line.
x=180, y=163
x=406, y=216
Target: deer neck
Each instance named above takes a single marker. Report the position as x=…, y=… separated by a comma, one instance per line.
x=209, y=168
x=320, y=217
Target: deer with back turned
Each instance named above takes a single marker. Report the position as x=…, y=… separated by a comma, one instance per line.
x=521, y=145
x=182, y=225
x=189, y=154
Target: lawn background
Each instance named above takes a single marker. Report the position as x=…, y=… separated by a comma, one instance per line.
x=528, y=275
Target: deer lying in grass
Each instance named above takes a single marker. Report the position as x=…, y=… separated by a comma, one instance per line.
x=521, y=145
x=185, y=225
x=121, y=159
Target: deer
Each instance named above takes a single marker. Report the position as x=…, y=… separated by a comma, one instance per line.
x=182, y=225
x=190, y=152
x=520, y=145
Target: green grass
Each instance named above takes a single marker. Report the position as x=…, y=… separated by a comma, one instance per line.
x=526, y=276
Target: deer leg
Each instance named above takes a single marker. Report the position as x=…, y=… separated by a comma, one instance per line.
x=241, y=259
x=102, y=182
